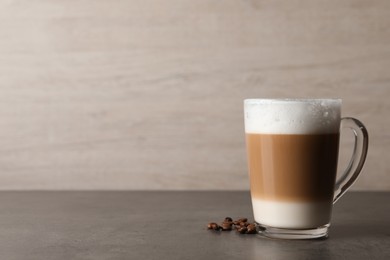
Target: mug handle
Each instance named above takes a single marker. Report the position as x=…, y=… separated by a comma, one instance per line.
x=358, y=156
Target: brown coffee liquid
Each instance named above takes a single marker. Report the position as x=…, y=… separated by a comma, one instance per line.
x=292, y=167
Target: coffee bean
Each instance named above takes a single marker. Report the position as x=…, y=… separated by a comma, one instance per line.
x=241, y=225
x=244, y=224
x=251, y=229
x=213, y=226
x=228, y=219
x=226, y=226
x=217, y=227
x=242, y=230
x=251, y=226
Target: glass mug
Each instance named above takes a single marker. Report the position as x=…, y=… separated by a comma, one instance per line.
x=292, y=149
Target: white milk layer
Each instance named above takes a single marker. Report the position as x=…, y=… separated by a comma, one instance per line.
x=292, y=215
x=292, y=116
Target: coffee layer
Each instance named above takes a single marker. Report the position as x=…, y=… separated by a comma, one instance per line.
x=292, y=167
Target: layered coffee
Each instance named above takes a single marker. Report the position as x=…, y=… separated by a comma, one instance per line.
x=292, y=159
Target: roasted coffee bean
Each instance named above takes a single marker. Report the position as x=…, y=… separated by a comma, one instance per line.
x=252, y=226
x=213, y=226
x=217, y=227
x=242, y=230
x=244, y=224
x=226, y=226
x=228, y=219
x=241, y=225
x=251, y=229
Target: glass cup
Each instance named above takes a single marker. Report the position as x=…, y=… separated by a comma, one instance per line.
x=292, y=148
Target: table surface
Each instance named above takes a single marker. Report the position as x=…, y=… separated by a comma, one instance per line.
x=172, y=225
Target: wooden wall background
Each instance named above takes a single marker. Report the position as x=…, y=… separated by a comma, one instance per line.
x=147, y=94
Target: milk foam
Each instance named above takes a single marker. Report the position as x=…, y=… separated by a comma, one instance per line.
x=294, y=215
x=292, y=116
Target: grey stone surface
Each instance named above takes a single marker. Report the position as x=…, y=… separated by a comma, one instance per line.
x=172, y=225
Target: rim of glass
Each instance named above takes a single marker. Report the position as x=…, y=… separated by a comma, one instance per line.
x=290, y=100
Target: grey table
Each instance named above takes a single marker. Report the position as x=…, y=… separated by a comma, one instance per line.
x=171, y=225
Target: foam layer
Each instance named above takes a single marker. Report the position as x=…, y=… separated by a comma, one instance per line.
x=292, y=116
x=292, y=215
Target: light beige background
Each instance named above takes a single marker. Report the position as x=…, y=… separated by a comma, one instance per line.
x=147, y=94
